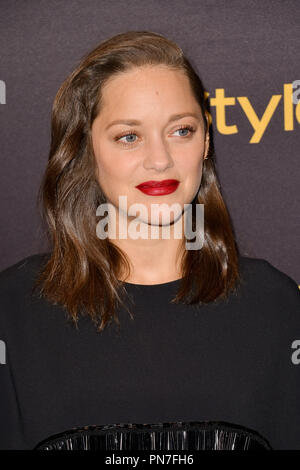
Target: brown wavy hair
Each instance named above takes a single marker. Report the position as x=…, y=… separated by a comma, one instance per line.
x=82, y=272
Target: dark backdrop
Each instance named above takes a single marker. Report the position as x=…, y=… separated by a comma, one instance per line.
x=247, y=50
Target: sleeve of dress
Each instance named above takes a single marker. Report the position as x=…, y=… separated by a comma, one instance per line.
x=11, y=435
x=285, y=415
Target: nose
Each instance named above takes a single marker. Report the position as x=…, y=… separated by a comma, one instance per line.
x=157, y=155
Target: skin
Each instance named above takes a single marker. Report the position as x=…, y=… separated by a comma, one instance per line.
x=155, y=150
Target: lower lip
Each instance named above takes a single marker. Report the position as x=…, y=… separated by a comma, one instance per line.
x=159, y=191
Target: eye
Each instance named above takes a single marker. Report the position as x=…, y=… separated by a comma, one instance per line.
x=127, y=143
x=191, y=129
x=130, y=141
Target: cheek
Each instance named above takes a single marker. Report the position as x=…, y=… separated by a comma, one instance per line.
x=105, y=160
x=113, y=169
x=190, y=167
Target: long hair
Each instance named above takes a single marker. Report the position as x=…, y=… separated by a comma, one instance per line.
x=82, y=271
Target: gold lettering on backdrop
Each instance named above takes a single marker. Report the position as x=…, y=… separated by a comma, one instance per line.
x=220, y=101
x=288, y=107
x=259, y=126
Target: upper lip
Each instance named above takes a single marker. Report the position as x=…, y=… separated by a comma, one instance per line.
x=157, y=184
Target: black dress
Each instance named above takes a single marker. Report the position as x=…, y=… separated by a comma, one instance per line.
x=223, y=375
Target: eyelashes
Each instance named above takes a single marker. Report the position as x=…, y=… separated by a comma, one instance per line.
x=191, y=129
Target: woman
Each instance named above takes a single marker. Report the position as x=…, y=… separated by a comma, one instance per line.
x=121, y=332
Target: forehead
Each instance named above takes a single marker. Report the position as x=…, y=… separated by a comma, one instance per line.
x=144, y=74
x=148, y=87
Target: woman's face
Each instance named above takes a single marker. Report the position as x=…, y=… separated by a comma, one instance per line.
x=157, y=147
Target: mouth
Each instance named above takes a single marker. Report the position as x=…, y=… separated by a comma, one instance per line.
x=158, y=188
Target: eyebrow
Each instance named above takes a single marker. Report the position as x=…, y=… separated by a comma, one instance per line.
x=134, y=122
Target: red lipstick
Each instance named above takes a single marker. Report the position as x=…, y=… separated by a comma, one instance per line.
x=158, y=188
